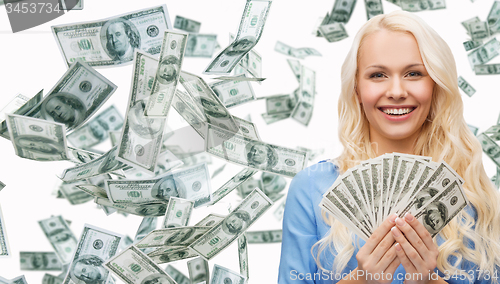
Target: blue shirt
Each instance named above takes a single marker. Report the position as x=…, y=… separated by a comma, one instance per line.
x=303, y=226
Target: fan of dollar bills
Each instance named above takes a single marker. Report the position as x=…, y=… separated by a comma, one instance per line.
x=365, y=195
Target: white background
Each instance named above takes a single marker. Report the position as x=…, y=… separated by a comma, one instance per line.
x=30, y=61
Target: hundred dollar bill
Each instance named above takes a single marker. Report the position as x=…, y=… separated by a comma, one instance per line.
x=421, y=5
x=221, y=274
x=104, y=164
x=234, y=92
x=4, y=242
x=493, y=18
x=60, y=237
x=178, y=212
x=172, y=237
x=18, y=280
x=479, y=30
x=170, y=254
x=144, y=210
x=304, y=108
x=295, y=66
x=141, y=137
x=114, y=137
x=167, y=74
x=471, y=44
x=467, y=23
x=76, y=97
x=300, y=53
x=200, y=45
x=210, y=220
x=249, y=32
x=465, y=86
x=342, y=11
x=207, y=101
x=178, y=276
x=248, y=186
x=487, y=69
x=191, y=183
x=243, y=255
x=39, y=261
x=490, y=148
x=251, y=63
x=186, y=24
x=231, y=184
x=51, y=279
x=132, y=266
x=20, y=105
x=233, y=226
x=373, y=8
x=333, y=32
x=484, y=53
x=74, y=194
x=112, y=41
x=37, y=139
x=260, y=237
x=95, y=247
x=254, y=154
x=239, y=78
x=272, y=118
x=79, y=156
x=147, y=225
x=96, y=130
x=198, y=270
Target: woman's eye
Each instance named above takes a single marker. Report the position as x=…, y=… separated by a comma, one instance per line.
x=376, y=75
x=413, y=74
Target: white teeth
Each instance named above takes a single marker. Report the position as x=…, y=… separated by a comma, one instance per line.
x=398, y=111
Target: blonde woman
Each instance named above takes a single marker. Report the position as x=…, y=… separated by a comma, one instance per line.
x=396, y=61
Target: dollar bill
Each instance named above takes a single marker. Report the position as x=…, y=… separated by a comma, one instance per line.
x=144, y=210
x=307, y=90
x=104, y=164
x=272, y=118
x=251, y=63
x=243, y=255
x=167, y=74
x=493, y=18
x=333, y=32
x=115, y=137
x=232, y=184
x=472, y=44
x=147, y=225
x=134, y=267
x=295, y=66
x=373, y=8
x=260, y=237
x=170, y=254
x=479, y=30
x=210, y=220
x=79, y=156
x=249, y=32
x=73, y=194
x=342, y=11
x=186, y=24
x=141, y=137
x=20, y=105
x=111, y=41
x=467, y=23
x=178, y=212
x=280, y=104
x=240, y=78
x=191, y=183
x=254, y=154
x=233, y=92
x=422, y=5
x=200, y=45
x=490, y=148
x=300, y=53
x=76, y=96
x=172, y=237
x=487, y=69
x=37, y=139
x=39, y=261
x=221, y=274
x=95, y=247
x=51, y=279
x=245, y=188
x=4, y=242
x=198, y=270
x=484, y=53
x=465, y=86
x=178, y=276
x=97, y=129
x=233, y=226
x=18, y=280
x=60, y=237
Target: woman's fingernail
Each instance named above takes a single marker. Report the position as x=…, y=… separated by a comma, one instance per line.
x=393, y=217
x=409, y=217
x=398, y=246
x=400, y=222
x=395, y=232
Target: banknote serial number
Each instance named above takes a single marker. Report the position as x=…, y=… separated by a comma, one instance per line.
x=32, y=8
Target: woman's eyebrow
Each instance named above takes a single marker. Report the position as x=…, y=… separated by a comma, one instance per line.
x=384, y=67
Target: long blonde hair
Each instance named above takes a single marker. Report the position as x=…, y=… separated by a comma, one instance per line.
x=444, y=136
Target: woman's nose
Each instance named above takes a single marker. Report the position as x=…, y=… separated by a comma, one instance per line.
x=396, y=89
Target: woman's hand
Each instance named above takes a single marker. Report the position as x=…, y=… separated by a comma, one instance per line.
x=378, y=255
x=415, y=249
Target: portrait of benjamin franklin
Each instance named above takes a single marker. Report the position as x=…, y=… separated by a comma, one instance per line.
x=168, y=70
x=180, y=236
x=110, y=162
x=119, y=38
x=435, y=217
x=40, y=145
x=88, y=269
x=241, y=46
x=64, y=108
x=168, y=186
x=145, y=127
x=213, y=108
x=236, y=222
x=156, y=279
x=261, y=155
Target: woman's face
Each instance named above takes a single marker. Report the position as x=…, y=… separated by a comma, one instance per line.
x=393, y=78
